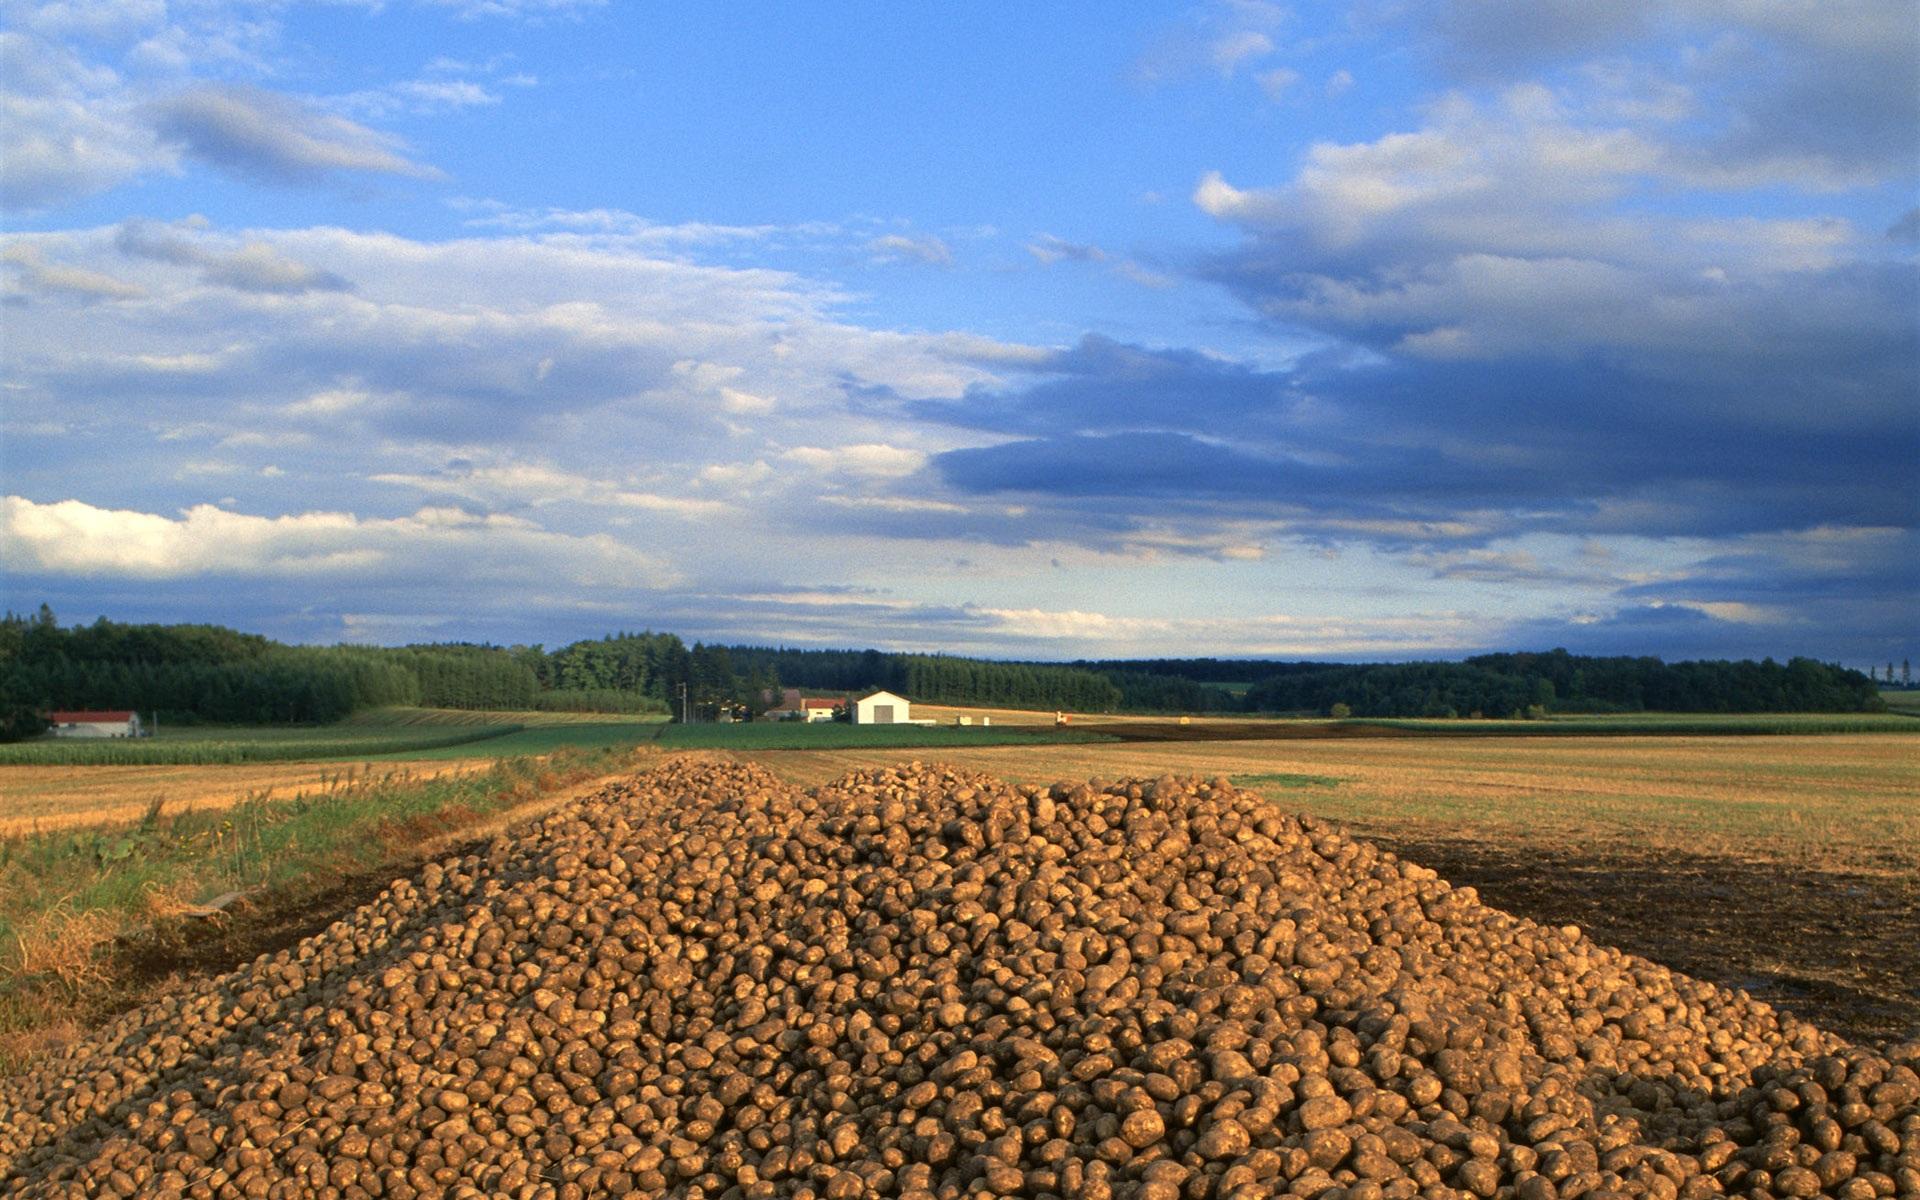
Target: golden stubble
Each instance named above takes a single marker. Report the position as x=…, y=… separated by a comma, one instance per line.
x=1847, y=801
x=38, y=799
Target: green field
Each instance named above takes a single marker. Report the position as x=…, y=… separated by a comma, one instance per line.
x=833, y=735
x=540, y=739
x=196, y=745
x=388, y=734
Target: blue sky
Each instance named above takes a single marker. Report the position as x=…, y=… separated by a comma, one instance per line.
x=1375, y=330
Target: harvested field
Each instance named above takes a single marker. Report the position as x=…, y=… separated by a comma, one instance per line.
x=1786, y=865
x=930, y=984
x=36, y=799
x=1839, y=801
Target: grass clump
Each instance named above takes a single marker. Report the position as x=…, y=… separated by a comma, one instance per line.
x=1291, y=782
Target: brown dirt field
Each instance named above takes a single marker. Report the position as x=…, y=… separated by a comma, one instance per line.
x=35, y=799
x=1835, y=947
x=1241, y=731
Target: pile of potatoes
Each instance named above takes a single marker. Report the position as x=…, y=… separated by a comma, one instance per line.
x=930, y=984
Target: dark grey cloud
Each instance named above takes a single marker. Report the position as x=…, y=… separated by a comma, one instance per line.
x=1871, y=565
x=1503, y=447
x=1671, y=631
x=272, y=138
x=1497, y=39
x=251, y=268
x=1802, y=94
x=1100, y=385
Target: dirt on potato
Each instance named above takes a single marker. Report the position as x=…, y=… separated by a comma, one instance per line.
x=931, y=984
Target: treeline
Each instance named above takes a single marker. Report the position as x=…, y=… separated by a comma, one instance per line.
x=1421, y=689
x=186, y=672
x=1200, y=670
x=1141, y=691
x=933, y=678
x=208, y=673
x=189, y=673
x=1622, y=684
x=1501, y=685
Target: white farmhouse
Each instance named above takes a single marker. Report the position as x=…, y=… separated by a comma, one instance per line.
x=881, y=708
x=96, y=724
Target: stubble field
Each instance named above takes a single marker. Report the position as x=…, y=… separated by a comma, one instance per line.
x=1786, y=865
x=217, y=767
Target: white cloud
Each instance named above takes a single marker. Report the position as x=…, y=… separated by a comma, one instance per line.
x=868, y=460
x=71, y=537
x=518, y=9
x=926, y=249
x=419, y=97
x=1264, y=636
x=1229, y=51
x=1217, y=38
x=1048, y=250
x=66, y=127
x=1278, y=82
x=539, y=485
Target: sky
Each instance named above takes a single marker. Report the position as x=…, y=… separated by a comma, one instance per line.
x=1375, y=330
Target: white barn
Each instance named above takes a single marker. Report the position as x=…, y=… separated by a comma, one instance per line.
x=96, y=724
x=881, y=708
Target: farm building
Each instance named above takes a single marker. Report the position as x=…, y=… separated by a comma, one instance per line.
x=96, y=724
x=818, y=710
x=783, y=704
x=881, y=708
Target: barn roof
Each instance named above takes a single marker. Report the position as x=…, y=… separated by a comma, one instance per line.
x=101, y=717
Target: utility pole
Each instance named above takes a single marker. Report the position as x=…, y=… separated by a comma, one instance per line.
x=686, y=713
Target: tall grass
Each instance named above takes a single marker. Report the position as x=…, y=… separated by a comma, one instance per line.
x=66, y=897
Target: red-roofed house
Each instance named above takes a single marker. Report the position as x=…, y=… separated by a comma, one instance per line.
x=114, y=724
x=819, y=710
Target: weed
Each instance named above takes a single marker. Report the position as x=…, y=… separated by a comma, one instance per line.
x=1283, y=780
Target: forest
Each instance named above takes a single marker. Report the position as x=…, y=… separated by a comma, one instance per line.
x=189, y=673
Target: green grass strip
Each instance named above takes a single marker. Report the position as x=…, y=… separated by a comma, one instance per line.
x=834, y=735
x=1655, y=725
x=243, y=746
